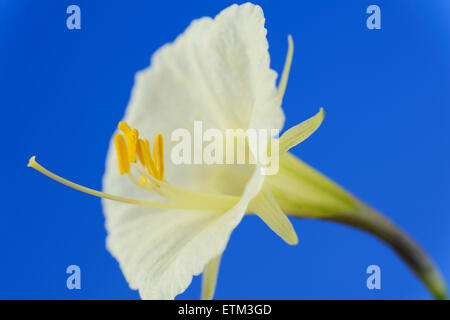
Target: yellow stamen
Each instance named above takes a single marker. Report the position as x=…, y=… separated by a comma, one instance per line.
x=140, y=152
x=140, y=149
x=158, y=156
x=149, y=164
x=124, y=127
x=33, y=164
x=122, y=153
x=132, y=139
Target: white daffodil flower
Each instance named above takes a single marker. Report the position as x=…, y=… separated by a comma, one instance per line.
x=169, y=222
x=217, y=71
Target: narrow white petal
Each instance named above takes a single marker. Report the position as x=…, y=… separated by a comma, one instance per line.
x=267, y=208
x=300, y=132
x=209, y=278
x=287, y=68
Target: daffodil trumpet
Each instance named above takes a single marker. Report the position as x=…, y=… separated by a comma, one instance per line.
x=167, y=222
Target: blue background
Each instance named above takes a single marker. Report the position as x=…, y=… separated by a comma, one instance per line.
x=385, y=137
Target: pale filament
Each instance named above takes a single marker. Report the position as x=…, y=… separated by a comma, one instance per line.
x=133, y=152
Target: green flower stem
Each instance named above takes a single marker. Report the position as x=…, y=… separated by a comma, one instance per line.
x=373, y=222
x=304, y=192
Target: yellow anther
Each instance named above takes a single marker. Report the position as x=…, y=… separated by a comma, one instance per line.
x=144, y=145
x=140, y=148
x=122, y=154
x=140, y=152
x=158, y=156
x=124, y=127
x=132, y=140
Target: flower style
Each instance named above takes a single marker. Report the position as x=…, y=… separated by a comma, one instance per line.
x=170, y=222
